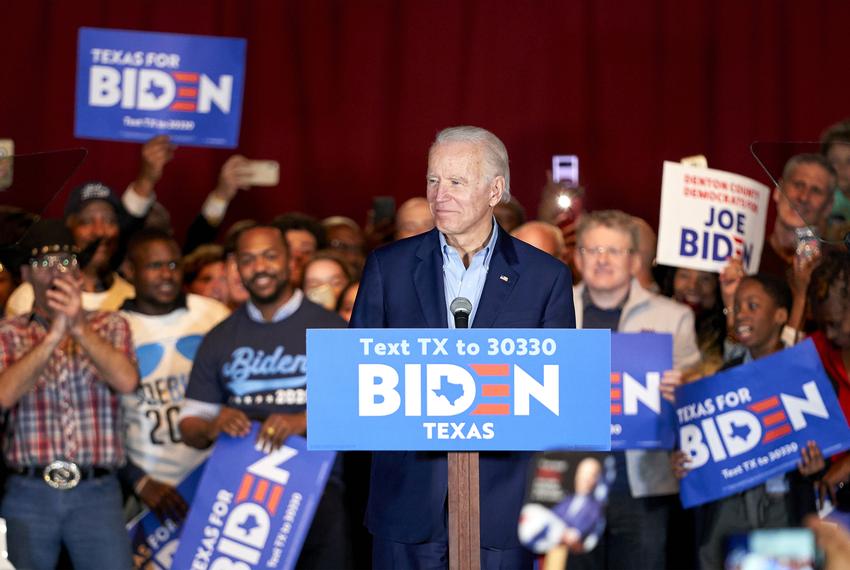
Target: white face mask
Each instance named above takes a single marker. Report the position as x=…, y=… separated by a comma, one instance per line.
x=322, y=295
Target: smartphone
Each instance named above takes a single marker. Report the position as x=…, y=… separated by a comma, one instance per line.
x=7, y=151
x=384, y=208
x=808, y=244
x=565, y=169
x=263, y=172
x=773, y=548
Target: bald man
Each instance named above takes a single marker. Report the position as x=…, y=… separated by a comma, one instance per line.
x=412, y=218
x=647, y=243
x=542, y=235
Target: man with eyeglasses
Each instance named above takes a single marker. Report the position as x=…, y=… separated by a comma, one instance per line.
x=61, y=371
x=167, y=327
x=610, y=297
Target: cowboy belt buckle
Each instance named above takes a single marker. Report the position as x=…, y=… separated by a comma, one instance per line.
x=61, y=474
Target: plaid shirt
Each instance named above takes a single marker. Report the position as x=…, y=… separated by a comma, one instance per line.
x=70, y=413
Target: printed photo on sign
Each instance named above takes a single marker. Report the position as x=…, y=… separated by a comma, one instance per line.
x=132, y=86
x=708, y=216
x=471, y=389
x=640, y=417
x=565, y=501
x=253, y=510
x=747, y=424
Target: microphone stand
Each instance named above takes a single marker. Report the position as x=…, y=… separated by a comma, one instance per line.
x=463, y=499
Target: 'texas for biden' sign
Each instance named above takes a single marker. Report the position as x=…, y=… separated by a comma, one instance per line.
x=251, y=509
x=474, y=389
x=747, y=424
x=134, y=85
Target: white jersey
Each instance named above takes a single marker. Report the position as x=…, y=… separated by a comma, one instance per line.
x=165, y=348
x=21, y=300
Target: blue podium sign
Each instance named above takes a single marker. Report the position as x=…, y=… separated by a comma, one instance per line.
x=132, y=86
x=640, y=417
x=252, y=509
x=748, y=424
x=458, y=390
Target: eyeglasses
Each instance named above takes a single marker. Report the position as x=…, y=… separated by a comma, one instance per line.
x=49, y=262
x=615, y=252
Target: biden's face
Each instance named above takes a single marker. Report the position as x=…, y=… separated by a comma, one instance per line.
x=461, y=194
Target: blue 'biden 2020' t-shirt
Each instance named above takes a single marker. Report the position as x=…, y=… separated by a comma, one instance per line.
x=258, y=367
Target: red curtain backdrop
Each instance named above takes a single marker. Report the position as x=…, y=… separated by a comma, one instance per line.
x=347, y=95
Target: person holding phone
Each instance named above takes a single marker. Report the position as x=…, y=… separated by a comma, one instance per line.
x=62, y=370
x=93, y=214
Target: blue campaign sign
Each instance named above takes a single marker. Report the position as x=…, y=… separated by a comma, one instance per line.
x=154, y=541
x=458, y=390
x=252, y=509
x=748, y=424
x=640, y=417
x=132, y=86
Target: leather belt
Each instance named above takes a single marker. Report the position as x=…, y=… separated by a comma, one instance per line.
x=62, y=474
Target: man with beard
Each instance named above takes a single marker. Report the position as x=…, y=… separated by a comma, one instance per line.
x=167, y=328
x=228, y=388
x=92, y=214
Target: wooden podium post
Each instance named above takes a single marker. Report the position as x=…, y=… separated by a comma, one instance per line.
x=464, y=514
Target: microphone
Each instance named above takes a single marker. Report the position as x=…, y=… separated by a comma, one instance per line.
x=461, y=308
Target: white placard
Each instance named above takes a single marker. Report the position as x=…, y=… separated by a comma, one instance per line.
x=709, y=215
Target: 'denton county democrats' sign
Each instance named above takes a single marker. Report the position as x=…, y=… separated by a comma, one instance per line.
x=134, y=85
x=708, y=216
x=474, y=389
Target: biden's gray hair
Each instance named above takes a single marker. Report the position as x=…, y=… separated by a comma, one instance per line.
x=495, y=153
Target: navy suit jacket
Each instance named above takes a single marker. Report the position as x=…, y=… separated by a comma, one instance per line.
x=402, y=287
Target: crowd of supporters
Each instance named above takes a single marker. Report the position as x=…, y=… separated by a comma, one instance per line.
x=140, y=298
